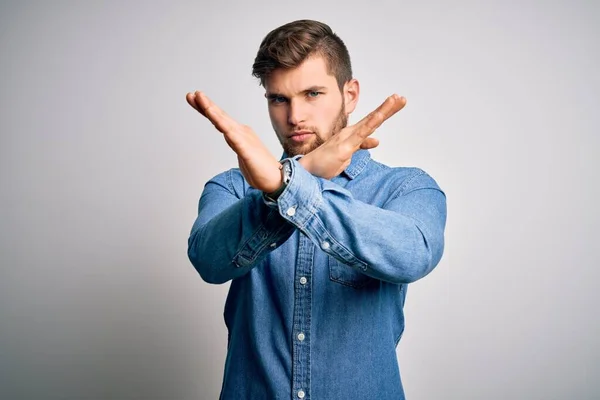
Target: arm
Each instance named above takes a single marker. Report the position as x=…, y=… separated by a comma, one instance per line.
x=400, y=242
x=250, y=226
x=261, y=170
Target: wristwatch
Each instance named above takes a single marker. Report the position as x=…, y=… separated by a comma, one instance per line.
x=286, y=176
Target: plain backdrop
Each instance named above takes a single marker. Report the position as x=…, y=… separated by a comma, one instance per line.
x=102, y=163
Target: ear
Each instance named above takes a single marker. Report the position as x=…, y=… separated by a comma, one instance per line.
x=351, y=93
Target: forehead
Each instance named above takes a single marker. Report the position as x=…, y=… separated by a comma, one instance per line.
x=312, y=72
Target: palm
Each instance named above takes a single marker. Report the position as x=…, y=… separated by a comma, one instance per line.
x=256, y=163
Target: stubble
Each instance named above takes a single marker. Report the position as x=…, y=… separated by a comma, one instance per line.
x=293, y=149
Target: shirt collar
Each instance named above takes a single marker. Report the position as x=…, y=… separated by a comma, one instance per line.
x=360, y=159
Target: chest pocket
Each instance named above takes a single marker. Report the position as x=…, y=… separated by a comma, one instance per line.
x=347, y=275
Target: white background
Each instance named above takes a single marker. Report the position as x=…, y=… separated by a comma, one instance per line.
x=102, y=163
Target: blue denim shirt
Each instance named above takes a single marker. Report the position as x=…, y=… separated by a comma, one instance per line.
x=318, y=278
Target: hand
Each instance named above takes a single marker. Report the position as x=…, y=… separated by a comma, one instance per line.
x=256, y=163
x=333, y=156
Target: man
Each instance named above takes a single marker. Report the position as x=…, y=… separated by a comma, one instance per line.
x=319, y=247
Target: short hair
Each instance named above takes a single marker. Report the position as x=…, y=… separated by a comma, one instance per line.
x=290, y=44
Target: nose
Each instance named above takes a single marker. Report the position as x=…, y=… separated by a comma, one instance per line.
x=296, y=112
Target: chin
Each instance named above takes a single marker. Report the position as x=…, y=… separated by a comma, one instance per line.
x=294, y=149
x=299, y=150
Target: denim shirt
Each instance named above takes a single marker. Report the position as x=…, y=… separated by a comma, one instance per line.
x=319, y=277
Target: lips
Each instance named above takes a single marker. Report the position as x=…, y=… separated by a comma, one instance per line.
x=300, y=136
x=301, y=133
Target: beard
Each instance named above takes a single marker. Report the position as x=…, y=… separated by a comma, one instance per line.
x=293, y=149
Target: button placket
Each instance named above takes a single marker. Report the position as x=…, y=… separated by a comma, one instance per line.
x=301, y=358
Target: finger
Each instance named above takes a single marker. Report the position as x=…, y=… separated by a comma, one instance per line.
x=190, y=97
x=223, y=122
x=369, y=143
x=198, y=102
x=389, y=107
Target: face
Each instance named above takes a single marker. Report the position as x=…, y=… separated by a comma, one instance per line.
x=306, y=106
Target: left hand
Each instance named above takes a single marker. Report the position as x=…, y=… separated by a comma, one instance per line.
x=335, y=154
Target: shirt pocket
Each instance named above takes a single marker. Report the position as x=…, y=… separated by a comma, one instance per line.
x=347, y=275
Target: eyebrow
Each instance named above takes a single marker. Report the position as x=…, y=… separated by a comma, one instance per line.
x=310, y=89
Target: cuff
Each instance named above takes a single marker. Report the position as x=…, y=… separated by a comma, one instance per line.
x=301, y=199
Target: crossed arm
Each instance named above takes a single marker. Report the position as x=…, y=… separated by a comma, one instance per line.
x=399, y=243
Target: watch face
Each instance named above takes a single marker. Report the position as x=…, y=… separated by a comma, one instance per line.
x=287, y=172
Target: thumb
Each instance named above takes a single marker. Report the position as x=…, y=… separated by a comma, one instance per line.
x=369, y=143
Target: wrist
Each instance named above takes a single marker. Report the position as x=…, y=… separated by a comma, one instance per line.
x=286, y=175
x=305, y=162
x=277, y=181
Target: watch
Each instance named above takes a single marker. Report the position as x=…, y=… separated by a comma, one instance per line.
x=286, y=176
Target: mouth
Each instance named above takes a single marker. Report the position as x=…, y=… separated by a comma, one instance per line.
x=300, y=136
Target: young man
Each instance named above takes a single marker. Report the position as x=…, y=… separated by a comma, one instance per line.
x=320, y=246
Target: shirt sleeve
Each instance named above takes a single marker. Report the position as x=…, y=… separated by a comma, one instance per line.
x=400, y=242
x=234, y=229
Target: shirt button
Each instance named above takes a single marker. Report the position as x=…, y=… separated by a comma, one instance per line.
x=301, y=336
x=303, y=280
x=273, y=244
x=325, y=245
x=301, y=394
x=291, y=211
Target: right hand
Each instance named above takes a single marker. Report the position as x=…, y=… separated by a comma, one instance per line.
x=333, y=156
x=256, y=163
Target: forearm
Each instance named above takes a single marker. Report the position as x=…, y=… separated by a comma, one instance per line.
x=232, y=234
x=399, y=242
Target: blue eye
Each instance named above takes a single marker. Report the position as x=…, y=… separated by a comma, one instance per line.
x=313, y=94
x=278, y=99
